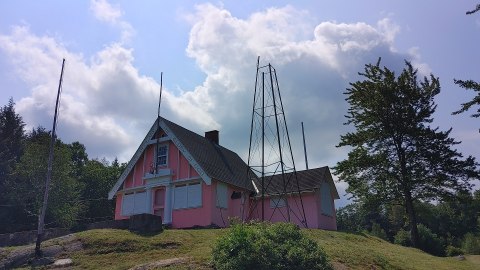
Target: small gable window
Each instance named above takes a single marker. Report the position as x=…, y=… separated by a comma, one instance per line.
x=187, y=196
x=326, y=197
x=222, y=195
x=162, y=155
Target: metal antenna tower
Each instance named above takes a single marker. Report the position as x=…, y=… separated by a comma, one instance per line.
x=270, y=158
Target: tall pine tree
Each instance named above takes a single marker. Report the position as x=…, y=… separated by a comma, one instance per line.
x=12, y=140
x=395, y=155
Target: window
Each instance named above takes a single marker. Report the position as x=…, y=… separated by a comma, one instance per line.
x=222, y=195
x=187, y=196
x=162, y=154
x=134, y=203
x=277, y=202
x=326, y=197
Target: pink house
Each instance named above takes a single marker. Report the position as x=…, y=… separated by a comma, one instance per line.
x=190, y=180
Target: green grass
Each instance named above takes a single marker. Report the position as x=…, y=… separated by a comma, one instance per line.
x=121, y=249
x=362, y=251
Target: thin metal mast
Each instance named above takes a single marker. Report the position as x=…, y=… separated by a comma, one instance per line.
x=263, y=146
x=251, y=131
x=282, y=165
x=270, y=153
x=291, y=153
x=304, y=147
x=41, y=218
x=158, y=121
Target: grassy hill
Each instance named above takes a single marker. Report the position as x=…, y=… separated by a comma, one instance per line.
x=190, y=249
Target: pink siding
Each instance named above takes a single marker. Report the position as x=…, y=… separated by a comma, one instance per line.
x=202, y=216
x=138, y=173
x=311, y=204
x=172, y=156
x=118, y=207
x=148, y=155
x=184, y=166
x=220, y=216
x=193, y=172
x=129, y=181
x=324, y=221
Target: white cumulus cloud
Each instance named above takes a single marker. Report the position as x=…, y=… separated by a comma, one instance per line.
x=108, y=105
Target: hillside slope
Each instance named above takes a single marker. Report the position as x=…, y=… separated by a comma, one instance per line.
x=190, y=249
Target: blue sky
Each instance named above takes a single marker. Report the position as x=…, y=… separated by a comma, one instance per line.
x=115, y=51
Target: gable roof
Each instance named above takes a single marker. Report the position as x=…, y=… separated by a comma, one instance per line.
x=307, y=180
x=209, y=159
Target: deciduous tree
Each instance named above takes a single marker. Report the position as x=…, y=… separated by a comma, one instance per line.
x=395, y=155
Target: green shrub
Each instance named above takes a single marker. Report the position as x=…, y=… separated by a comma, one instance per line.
x=402, y=238
x=430, y=242
x=267, y=246
x=471, y=244
x=378, y=231
x=451, y=251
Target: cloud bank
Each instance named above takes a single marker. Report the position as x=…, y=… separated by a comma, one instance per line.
x=108, y=105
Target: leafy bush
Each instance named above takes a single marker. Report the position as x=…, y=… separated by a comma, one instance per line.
x=453, y=251
x=430, y=242
x=267, y=246
x=378, y=231
x=402, y=238
x=471, y=244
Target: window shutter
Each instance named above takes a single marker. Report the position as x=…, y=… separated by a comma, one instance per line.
x=326, y=198
x=180, y=197
x=194, y=195
x=222, y=195
x=128, y=204
x=140, y=205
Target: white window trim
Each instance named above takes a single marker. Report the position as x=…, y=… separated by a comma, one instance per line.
x=155, y=155
x=186, y=194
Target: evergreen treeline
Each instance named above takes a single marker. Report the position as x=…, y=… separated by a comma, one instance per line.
x=79, y=186
x=450, y=227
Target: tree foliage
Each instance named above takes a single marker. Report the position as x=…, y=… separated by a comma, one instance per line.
x=27, y=190
x=477, y=8
x=470, y=85
x=396, y=156
x=79, y=186
x=11, y=139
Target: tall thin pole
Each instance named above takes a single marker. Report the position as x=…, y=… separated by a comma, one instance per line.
x=263, y=146
x=251, y=132
x=158, y=122
x=282, y=165
x=41, y=218
x=291, y=152
x=304, y=147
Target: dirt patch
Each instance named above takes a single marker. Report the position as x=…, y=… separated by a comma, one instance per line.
x=54, y=248
x=161, y=263
x=339, y=266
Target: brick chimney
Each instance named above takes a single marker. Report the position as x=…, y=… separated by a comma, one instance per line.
x=212, y=136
